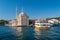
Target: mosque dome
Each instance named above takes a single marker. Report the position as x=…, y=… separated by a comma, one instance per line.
x=22, y=13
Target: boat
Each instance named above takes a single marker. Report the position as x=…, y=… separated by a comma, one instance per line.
x=42, y=25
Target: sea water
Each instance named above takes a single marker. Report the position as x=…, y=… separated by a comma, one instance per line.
x=29, y=33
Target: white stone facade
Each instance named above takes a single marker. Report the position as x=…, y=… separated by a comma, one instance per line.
x=53, y=21
x=22, y=19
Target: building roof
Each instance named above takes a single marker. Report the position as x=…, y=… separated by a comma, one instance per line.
x=22, y=13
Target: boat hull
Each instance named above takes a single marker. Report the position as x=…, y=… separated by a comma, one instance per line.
x=42, y=27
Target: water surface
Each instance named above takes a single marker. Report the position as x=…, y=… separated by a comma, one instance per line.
x=29, y=33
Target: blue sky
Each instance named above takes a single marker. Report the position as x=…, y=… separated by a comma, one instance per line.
x=33, y=8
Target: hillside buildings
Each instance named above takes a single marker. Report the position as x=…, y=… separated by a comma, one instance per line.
x=53, y=21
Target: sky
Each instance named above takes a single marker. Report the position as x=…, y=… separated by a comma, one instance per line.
x=33, y=8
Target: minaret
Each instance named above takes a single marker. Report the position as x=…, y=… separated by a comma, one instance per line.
x=16, y=12
x=22, y=9
x=16, y=15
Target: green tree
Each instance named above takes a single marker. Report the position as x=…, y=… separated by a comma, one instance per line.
x=32, y=22
x=3, y=22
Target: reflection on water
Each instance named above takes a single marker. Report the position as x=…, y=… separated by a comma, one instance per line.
x=25, y=33
x=41, y=34
x=28, y=33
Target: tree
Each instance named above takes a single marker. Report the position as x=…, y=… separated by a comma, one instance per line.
x=3, y=22
x=32, y=22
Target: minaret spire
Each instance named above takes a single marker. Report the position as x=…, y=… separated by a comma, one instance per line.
x=22, y=9
x=16, y=15
x=16, y=11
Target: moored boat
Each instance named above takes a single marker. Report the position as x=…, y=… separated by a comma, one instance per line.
x=42, y=25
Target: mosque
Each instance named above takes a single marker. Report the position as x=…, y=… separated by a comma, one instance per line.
x=22, y=19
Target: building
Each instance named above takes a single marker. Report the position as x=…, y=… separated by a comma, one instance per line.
x=22, y=19
x=12, y=23
x=53, y=21
x=42, y=20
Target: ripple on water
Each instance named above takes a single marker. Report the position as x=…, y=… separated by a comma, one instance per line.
x=28, y=33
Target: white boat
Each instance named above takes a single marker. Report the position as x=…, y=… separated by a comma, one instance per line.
x=43, y=25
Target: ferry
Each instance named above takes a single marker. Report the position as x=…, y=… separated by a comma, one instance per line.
x=42, y=25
